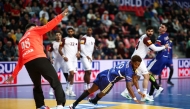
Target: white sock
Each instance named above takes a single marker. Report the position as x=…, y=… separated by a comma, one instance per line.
x=160, y=88
x=145, y=91
x=88, y=86
x=70, y=87
x=67, y=84
x=126, y=91
x=85, y=86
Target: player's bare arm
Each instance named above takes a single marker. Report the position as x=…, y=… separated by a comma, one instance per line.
x=131, y=92
x=61, y=53
x=135, y=82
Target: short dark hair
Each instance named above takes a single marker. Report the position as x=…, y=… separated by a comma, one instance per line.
x=29, y=25
x=136, y=58
x=165, y=24
x=149, y=28
x=70, y=28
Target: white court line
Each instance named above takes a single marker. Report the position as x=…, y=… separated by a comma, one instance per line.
x=178, y=94
x=188, y=95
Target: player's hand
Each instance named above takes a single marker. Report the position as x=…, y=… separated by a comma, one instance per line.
x=89, y=58
x=65, y=12
x=139, y=102
x=66, y=59
x=166, y=45
x=142, y=95
x=10, y=79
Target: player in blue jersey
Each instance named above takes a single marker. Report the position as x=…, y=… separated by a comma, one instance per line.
x=157, y=64
x=169, y=64
x=106, y=79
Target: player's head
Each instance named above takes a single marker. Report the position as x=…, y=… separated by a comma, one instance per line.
x=89, y=31
x=163, y=28
x=30, y=26
x=136, y=61
x=58, y=36
x=70, y=31
x=149, y=31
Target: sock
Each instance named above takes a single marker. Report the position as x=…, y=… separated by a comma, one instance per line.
x=71, y=87
x=126, y=91
x=145, y=91
x=151, y=90
x=96, y=99
x=153, y=81
x=88, y=86
x=84, y=95
x=85, y=86
x=159, y=77
x=67, y=84
x=171, y=73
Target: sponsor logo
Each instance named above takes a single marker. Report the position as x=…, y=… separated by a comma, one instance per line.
x=43, y=80
x=184, y=68
x=6, y=70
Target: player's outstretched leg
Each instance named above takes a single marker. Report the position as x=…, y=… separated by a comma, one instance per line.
x=170, y=76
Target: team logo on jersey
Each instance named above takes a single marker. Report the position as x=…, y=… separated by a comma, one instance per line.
x=81, y=41
x=166, y=38
x=149, y=42
x=184, y=68
x=6, y=70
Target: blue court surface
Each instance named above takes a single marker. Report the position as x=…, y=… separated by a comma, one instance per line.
x=177, y=96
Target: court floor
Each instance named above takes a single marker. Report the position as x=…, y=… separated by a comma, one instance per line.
x=177, y=96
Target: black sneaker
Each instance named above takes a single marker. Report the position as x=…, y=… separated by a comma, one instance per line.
x=169, y=82
x=92, y=101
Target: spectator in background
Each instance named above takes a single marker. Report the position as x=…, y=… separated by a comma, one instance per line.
x=188, y=49
x=105, y=19
x=10, y=52
x=35, y=20
x=18, y=35
x=176, y=25
x=43, y=20
x=83, y=28
x=13, y=36
x=9, y=38
x=13, y=25
x=15, y=13
x=132, y=49
x=35, y=8
x=90, y=15
x=43, y=11
x=122, y=51
x=51, y=35
x=2, y=52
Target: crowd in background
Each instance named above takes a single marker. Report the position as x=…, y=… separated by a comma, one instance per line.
x=114, y=31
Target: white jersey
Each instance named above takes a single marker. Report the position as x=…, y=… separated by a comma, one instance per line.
x=70, y=48
x=87, y=46
x=142, y=46
x=55, y=52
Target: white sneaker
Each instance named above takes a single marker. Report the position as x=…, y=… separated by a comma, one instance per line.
x=72, y=94
x=67, y=92
x=51, y=92
x=149, y=98
x=126, y=95
x=58, y=107
x=158, y=92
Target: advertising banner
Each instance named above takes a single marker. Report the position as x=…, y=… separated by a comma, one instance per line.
x=181, y=70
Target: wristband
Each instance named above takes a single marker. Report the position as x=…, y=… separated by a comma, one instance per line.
x=138, y=90
x=63, y=56
x=135, y=98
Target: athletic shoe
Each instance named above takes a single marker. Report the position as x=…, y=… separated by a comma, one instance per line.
x=149, y=98
x=51, y=92
x=92, y=101
x=158, y=92
x=72, y=106
x=170, y=83
x=44, y=107
x=67, y=92
x=58, y=107
x=72, y=94
x=126, y=95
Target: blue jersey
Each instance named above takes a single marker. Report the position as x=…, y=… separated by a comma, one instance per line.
x=120, y=71
x=170, y=50
x=162, y=40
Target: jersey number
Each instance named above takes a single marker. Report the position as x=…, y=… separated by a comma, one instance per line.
x=137, y=46
x=72, y=43
x=120, y=66
x=25, y=44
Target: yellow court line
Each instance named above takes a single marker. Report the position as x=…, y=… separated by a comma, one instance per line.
x=9, y=103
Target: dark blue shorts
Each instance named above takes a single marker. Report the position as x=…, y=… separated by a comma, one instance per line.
x=102, y=82
x=169, y=63
x=156, y=66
